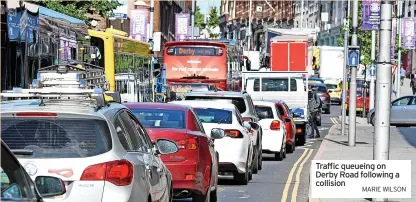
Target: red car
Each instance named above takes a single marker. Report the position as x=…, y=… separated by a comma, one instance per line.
x=359, y=102
x=286, y=116
x=194, y=167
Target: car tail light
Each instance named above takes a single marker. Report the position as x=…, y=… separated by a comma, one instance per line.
x=233, y=133
x=118, y=172
x=188, y=144
x=36, y=114
x=325, y=95
x=247, y=119
x=275, y=125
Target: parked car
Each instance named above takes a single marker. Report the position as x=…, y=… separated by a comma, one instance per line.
x=359, y=102
x=334, y=90
x=236, y=149
x=195, y=166
x=89, y=143
x=245, y=106
x=274, y=136
x=290, y=126
x=323, y=94
x=16, y=184
x=403, y=112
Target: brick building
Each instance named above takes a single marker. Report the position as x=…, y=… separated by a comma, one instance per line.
x=235, y=17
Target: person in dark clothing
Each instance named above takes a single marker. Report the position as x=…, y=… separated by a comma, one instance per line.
x=413, y=84
x=314, y=107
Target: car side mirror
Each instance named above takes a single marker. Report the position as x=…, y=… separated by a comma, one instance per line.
x=217, y=133
x=255, y=126
x=48, y=186
x=165, y=146
x=288, y=120
x=247, y=125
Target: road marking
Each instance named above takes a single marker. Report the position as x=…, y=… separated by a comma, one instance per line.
x=289, y=179
x=334, y=120
x=297, y=180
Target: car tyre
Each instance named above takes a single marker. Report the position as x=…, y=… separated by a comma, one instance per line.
x=290, y=148
x=301, y=140
x=256, y=164
x=214, y=196
x=202, y=198
x=260, y=159
x=242, y=178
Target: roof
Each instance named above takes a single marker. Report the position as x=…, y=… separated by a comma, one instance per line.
x=217, y=93
x=59, y=16
x=207, y=104
x=153, y=105
x=264, y=103
x=194, y=42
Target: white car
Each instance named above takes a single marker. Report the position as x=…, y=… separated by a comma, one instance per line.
x=274, y=131
x=236, y=148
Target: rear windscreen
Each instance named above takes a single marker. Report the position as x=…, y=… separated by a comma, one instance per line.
x=331, y=86
x=321, y=89
x=265, y=109
x=160, y=118
x=210, y=115
x=56, y=138
x=238, y=102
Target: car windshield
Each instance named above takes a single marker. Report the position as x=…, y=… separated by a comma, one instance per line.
x=321, y=89
x=266, y=110
x=331, y=86
x=209, y=115
x=160, y=118
x=56, y=138
x=237, y=101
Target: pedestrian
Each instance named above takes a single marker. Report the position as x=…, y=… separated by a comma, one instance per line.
x=314, y=108
x=402, y=75
x=413, y=84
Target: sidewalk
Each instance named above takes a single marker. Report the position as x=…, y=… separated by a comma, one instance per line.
x=404, y=90
x=335, y=147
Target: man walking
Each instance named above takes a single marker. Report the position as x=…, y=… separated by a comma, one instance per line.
x=314, y=107
x=413, y=84
x=402, y=75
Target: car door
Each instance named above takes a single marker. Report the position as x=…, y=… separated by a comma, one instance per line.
x=398, y=110
x=140, y=154
x=292, y=121
x=411, y=112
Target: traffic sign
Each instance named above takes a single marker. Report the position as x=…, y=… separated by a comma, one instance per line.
x=373, y=70
x=353, y=57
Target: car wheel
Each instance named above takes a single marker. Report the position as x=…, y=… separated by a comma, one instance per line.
x=279, y=156
x=202, y=198
x=256, y=163
x=290, y=148
x=260, y=159
x=171, y=193
x=242, y=178
x=214, y=196
x=301, y=140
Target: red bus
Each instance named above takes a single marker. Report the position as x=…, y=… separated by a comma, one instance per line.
x=214, y=62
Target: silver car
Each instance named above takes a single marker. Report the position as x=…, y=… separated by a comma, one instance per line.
x=101, y=151
x=403, y=112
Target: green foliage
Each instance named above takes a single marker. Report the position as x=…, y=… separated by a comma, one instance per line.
x=214, y=18
x=199, y=18
x=79, y=9
x=365, y=38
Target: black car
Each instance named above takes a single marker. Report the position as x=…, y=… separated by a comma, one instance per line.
x=16, y=185
x=322, y=92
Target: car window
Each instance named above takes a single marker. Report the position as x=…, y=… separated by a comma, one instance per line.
x=134, y=135
x=413, y=102
x=278, y=84
x=160, y=118
x=321, y=89
x=268, y=111
x=15, y=183
x=198, y=122
x=331, y=86
x=122, y=134
x=57, y=137
x=280, y=110
x=239, y=117
x=287, y=109
x=237, y=101
x=211, y=115
x=256, y=86
x=402, y=101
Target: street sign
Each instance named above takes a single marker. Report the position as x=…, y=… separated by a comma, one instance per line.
x=373, y=70
x=353, y=57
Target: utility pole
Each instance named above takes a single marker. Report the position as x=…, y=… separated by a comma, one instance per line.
x=353, y=80
x=192, y=19
x=399, y=59
x=383, y=95
x=373, y=58
x=152, y=10
x=249, y=25
x=344, y=81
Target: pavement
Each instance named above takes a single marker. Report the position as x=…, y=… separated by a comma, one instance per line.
x=335, y=147
x=404, y=90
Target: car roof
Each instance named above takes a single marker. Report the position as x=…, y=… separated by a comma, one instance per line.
x=264, y=103
x=155, y=105
x=207, y=104
x=217, y=93
x=76, y=107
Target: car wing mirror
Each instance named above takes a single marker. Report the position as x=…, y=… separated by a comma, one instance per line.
x=165, y=146
x=255, y=126
x=48, y=186
x=217, y=133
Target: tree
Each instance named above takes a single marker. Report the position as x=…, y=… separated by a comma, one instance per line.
x=365, y=38
x=214, y=19
x=79, y=9
x=199, y=18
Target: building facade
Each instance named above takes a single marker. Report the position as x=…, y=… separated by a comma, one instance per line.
x=330, y=30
